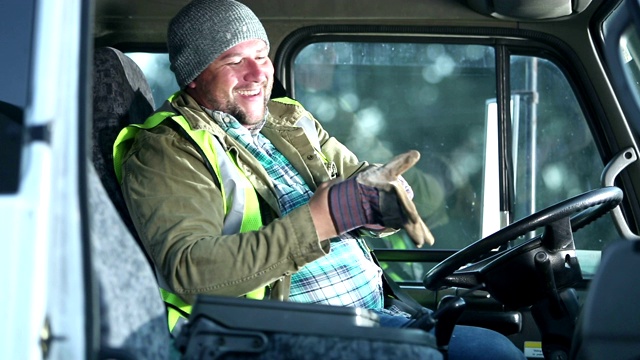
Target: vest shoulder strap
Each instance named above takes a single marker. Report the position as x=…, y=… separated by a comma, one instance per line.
x=286, y=100
x=185, y=134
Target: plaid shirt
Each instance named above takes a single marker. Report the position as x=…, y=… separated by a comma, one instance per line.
x=347, y=276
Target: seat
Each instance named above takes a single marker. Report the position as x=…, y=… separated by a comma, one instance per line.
x=609, y=323
x=133, y=317
x=278, y=89
x=121, y=96
x=132, y=314
x=133, y=320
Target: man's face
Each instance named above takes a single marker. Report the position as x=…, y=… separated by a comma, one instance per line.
x=238, y=82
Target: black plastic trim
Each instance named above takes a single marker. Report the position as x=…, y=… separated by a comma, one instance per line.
x=39, y=133
x=417, y=255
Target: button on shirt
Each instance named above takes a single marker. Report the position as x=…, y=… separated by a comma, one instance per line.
x=347, y=276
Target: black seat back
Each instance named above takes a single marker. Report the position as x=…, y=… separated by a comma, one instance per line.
x=609, y=323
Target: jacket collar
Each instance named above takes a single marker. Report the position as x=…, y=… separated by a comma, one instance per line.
x=278, y=114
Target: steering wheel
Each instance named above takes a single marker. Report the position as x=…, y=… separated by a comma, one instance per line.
x=562, y=218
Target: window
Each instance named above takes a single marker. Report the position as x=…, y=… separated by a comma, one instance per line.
x=381, y=99
x=155, y=67
x=555, y=156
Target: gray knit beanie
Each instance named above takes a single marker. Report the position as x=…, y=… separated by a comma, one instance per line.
x=203, y=30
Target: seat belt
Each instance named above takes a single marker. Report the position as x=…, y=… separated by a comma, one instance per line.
x=394, y=295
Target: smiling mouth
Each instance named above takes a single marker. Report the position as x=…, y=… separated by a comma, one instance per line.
x=253, y=92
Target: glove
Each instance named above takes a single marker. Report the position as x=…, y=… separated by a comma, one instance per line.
x=376, y=196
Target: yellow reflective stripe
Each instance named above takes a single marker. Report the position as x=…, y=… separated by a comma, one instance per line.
x=251, y=218
x=172, y=317
x=119, y=149
x=175, y=300
x=172, y=314
x=204, y=139
x=121, y=145
x=286, y=100
x=257, y=294
x=200, y=136
x=174, y=95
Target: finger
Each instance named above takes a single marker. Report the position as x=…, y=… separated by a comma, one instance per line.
x=383, y=175
x=415, y=226
x=401, y=163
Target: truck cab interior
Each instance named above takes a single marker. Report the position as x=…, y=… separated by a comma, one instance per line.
x=526, y=114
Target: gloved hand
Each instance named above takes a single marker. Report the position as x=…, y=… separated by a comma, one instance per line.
x=376, y=196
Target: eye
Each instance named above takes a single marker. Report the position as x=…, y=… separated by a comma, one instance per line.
x=234, y=61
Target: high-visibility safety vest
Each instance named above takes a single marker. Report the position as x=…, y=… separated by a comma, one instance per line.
x=242, y=212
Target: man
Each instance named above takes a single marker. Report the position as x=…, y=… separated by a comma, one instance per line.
x=233, y=194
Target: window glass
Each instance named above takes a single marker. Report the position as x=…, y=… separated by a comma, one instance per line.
x=629, y=53
x=155, y=67
x=553, y=146
x=555, y=156
x=381, y=99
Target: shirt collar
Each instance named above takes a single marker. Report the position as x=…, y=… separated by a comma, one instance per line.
x=226, y=122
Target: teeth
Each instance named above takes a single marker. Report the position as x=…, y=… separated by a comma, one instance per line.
x=249, y=92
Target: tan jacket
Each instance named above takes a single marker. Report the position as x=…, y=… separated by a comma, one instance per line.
x=177, y=208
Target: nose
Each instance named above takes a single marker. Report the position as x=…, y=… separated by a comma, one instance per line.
x=255, y=71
